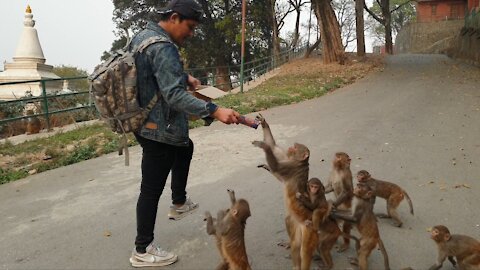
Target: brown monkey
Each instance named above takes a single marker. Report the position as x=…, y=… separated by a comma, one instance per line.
x=33, y=123
x=315, y=201
x=291, y=168
x=366, y=223
x=328, y=229
x=229, y=230
x=391, y=192
x=464, y=248
x=341, y=183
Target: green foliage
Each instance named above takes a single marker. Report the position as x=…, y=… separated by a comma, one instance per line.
x=64, y=71
x=82, y=152
x=216, y=41
x=11, y=175
x=400, y=16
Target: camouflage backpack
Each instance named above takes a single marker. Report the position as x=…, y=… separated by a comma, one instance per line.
x=113, y=86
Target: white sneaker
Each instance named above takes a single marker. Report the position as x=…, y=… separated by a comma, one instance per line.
x=155, y=256
x=177, y=213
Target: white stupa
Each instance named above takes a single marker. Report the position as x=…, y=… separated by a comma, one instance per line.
x=28, y=64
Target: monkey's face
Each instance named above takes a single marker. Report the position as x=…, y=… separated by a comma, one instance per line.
x=363, y=176
x=440, y=234
x=313, y=188
x=363, y=191
x=341, y=160
x=298, y=152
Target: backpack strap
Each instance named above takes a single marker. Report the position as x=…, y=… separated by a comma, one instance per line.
x=149, y=41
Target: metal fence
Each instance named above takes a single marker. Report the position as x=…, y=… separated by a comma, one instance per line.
x=50, y=103
x=472, y=19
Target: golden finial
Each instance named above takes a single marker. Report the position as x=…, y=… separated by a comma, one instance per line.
x=28, y=10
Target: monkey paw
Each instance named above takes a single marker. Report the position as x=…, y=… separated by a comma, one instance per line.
x=259, y=144
x=308, y=223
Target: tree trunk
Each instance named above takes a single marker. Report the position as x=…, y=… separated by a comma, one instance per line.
x=222, y=76
x=313, y=47
x=275, y=37
x=333, y=50
x=388, y=26
x=297, y=29
x=360, y=27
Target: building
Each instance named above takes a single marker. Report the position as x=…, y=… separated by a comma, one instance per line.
x=442, y=10
x=28, y=64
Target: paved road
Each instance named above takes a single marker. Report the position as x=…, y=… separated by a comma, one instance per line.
x=417, y=123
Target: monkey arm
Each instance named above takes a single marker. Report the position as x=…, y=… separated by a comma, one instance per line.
x=210, y=226
x=344, y=196
x=305, y=201
x=271, y=159
x=344, y=217
x=441, y=258
x=231, y=193
x=328, y=187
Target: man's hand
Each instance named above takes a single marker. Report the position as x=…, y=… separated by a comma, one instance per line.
x=227, y=116
x=193, y=83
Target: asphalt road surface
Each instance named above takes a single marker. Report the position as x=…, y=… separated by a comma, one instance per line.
x=416, y=123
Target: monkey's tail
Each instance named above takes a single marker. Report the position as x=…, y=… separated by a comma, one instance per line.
x=384, y=253
x=409, y=202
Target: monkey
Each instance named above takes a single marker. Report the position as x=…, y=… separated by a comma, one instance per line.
x=341, y=183
x=33, y=123
x=314, y=201
x=326, y=227
x=366, y=223
x=291, y=168
x=391, y=192
x=464, y=248
x=229, y=231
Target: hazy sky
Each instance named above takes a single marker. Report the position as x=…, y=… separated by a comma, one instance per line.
x=71, y=32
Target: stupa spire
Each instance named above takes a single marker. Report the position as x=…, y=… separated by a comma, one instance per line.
x=29, y=48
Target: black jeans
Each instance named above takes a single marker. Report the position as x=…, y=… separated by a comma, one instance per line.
x=158, y=159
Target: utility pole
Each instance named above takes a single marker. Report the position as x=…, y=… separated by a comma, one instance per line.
x=244, y=11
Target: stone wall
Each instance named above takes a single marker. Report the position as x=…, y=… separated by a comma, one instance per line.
x=428, y=37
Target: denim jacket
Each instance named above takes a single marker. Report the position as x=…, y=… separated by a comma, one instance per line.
x=160, y=71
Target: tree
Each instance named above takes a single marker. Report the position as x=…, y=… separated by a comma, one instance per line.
x=333, y=50
x=217, y=40
x=297, y=6
x=345, y=12
x=64, y=71
x=360, y=27
x=392, y=15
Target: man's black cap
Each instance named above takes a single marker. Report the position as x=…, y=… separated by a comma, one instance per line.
x=189, y=9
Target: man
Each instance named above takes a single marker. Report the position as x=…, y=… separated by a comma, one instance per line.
x=164, y=136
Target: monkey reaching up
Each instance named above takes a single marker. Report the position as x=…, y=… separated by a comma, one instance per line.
x=229, y=230
x=464, y=248
x=366, y=223
x=391, y=192
x=291, y=167
x=341, y=183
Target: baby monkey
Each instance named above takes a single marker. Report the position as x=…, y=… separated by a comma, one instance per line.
x=391, y=192
x=315, y=201
x=464, y=248
x=229, y=231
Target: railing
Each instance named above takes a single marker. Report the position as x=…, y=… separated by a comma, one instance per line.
x=49, y=103
x=472, y=19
